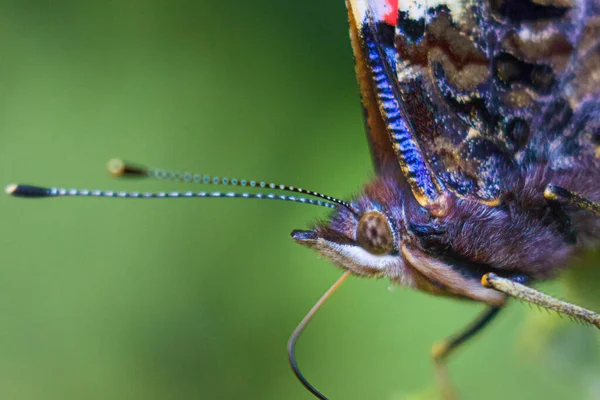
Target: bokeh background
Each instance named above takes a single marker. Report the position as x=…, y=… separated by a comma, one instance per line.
x=195, y=299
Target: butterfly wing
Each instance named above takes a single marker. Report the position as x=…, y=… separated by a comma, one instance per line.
x=485, y=87
x=393, y=143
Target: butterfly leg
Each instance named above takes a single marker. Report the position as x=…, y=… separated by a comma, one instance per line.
x=442, y=350
x=533, y=296
x=556, y=193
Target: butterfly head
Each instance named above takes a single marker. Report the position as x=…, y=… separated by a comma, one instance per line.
x=370, y=240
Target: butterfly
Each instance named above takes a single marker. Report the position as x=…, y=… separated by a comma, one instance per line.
x=483, y=122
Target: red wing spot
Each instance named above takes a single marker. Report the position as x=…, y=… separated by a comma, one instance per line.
x=391, y=18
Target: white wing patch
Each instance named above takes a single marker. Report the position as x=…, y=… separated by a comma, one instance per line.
x=377, y=8
x=416, y=9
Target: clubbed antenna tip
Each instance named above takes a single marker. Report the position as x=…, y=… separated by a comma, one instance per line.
x=119, y=168
x=27, y=191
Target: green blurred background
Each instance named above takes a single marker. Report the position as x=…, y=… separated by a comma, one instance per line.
x=195, y=299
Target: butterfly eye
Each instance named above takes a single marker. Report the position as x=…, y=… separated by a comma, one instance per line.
x=374, y=233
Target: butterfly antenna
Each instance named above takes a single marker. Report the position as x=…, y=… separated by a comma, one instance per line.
x=29, y=191
x=300, y=328
x=120, y=168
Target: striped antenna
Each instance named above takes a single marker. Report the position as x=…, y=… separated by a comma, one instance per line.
x=37, y=192
x=120, y=168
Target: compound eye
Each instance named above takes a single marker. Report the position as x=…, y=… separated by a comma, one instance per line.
x=374, y=233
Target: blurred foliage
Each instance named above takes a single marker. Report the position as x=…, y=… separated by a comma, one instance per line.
x=196, y=298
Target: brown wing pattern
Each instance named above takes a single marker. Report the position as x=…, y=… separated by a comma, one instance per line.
x=489, y=86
